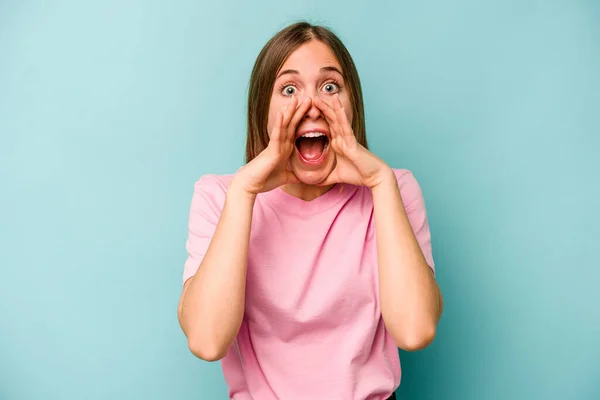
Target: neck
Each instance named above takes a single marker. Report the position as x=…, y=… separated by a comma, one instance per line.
x=304, y=191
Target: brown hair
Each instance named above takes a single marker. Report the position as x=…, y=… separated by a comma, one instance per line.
x=269, y=62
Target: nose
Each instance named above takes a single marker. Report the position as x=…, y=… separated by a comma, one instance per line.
x=313, y=112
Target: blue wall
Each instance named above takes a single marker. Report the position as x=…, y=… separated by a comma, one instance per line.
x=109, y=111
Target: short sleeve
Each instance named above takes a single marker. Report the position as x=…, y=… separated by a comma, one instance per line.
x=414, y=204
x=205, y=210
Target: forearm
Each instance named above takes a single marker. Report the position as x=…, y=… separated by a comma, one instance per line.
x=212, y=306
x=409, y=295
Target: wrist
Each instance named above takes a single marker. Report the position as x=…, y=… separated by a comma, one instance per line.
x=236, y=192
x=387, y=179
x=387, y=192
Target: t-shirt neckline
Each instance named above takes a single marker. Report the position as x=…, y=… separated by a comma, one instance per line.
x=325, y=201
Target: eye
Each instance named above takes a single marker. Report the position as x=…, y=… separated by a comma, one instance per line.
x=288, y=90
x=331, y=87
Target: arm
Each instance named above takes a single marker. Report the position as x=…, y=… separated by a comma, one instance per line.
x=211, y=306
x=411, y=301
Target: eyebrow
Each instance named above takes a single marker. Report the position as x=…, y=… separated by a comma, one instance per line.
x=295, y=72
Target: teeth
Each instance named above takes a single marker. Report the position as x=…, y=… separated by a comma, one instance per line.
x=313, y=134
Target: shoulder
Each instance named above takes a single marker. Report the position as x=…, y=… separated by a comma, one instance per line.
x=406, y=180
x=213, y=183
x=211, y=189
x=410, y=189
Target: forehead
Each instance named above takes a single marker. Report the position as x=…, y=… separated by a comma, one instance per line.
x=311, y=56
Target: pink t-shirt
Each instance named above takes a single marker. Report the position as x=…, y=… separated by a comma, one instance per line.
x=312, y=327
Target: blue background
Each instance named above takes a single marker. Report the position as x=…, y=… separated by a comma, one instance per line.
x=110, y=110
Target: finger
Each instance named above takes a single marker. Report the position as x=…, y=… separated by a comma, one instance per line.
x=289, y=111
x=327, y=110
x=331, y=117
x=337, y=103
x=298, y=115
x=276, y=134
x=341, y=116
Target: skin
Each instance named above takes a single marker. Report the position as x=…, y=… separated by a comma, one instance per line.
x=212, y=303
x=312, y=73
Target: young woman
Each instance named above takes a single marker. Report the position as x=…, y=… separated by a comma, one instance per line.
x=312, y=264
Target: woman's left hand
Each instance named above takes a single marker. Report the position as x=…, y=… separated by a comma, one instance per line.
x=354, y=163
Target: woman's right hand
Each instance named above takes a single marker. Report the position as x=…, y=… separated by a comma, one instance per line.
x=269, y=169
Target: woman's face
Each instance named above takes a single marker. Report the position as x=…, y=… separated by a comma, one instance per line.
x=310, y=71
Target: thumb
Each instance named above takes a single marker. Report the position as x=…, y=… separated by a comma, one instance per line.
x=330, y=180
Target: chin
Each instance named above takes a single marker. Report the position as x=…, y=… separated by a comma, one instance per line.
x=311, y=177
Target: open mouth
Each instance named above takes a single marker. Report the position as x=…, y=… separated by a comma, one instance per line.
x=312, y=146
